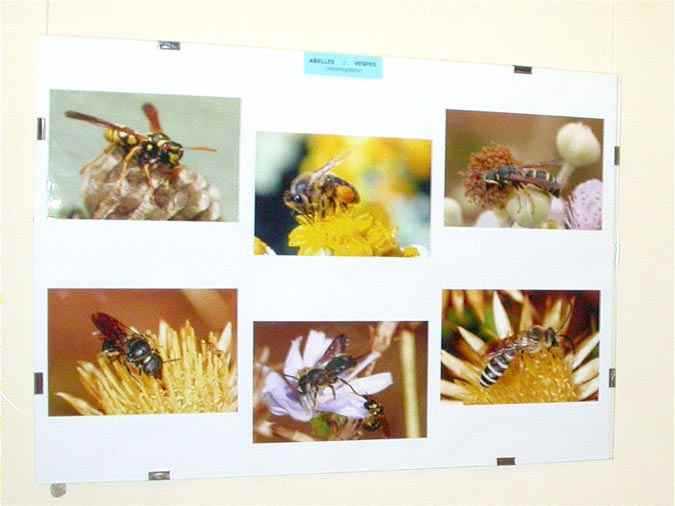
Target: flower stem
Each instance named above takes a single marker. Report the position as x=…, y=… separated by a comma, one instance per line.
x=565, y=173
x=410, y=404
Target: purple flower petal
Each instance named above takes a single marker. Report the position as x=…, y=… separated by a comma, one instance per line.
x=369, y=359
x=348, y=404
x=293, y=359
x=371, y=385
x=316, y=345
x=282, y=399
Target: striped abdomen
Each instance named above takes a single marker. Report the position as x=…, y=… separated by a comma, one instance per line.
x=539, y=174
x=496, y=367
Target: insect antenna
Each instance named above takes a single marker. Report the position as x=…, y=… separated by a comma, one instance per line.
x=172, y=360
x=352, y=388
x=201, y=148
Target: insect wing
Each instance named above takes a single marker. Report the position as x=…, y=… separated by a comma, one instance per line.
x=151, y=113
x=101, y=122
x=550, y=164
x=541, y=183
x=499, y=346
x=320, y=173
x=111, y=328
x=337, y=347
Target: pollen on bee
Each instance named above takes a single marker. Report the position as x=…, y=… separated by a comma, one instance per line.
x=346, y=194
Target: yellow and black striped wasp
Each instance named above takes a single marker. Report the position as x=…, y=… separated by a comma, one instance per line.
x=154, y=150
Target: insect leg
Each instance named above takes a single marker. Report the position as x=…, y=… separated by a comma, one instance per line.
x=175, y=173
x=125, y=163
x=146, y=171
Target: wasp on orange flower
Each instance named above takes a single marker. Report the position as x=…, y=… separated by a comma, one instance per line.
x=150, y=151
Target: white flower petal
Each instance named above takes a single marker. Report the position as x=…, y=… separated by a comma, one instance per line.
x=526, y=316
x=457, y=299
x=370, y=385
x=367, y=360
x=347, y=404
x=476, y=301
x=293, y=359
x=502, y=323
x=223, y=343
x=282, y=399
x=516, y=295
x=476, y=343
x=453, y=390
x=589, y=388
x=553, y=316
x=587, y=371
x=273, y=380
x=315, y=346
x=459, y=368
x=584, y=349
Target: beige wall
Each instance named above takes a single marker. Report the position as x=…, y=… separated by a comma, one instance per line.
x=631, y=38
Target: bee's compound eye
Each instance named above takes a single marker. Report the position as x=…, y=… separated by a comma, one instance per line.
x=297, y=198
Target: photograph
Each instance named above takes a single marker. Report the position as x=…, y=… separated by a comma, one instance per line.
x=335, y=195
x=520, y=346
x=142, y=156
x=141, y=352
x=339, y=381
x=505, y=170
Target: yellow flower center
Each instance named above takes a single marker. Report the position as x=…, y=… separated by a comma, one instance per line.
x=360, y=230
x=542, y=377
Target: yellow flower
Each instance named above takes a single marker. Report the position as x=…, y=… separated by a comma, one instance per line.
x=202, y=379
x=260, y=247
x=360, y=230
x=418, y=155
x=554, y=374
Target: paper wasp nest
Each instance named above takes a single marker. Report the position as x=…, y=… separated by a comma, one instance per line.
x=189, y=197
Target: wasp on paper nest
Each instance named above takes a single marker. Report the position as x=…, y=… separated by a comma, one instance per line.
x=141, y=177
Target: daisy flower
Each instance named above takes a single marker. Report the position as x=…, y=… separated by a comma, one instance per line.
x=360, y=230
x=198, y=376
x=555, y=374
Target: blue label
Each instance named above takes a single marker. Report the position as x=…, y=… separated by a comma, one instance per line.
x=343, y=65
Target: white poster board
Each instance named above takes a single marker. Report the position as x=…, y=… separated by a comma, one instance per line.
x=409, y=102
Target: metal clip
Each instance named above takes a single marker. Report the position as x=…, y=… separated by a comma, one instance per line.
x=57, y=489
x=617, y=155
x=522, y=69
x=506, y=461
x=612, y=378
x=173, y=45
x=38, y=383
x=41, y=129
x=159, y=475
